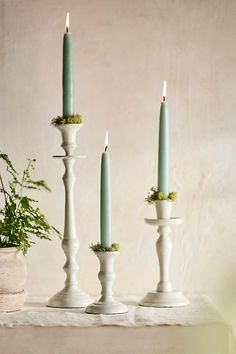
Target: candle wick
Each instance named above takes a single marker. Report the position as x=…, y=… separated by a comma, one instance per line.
x=106, y=148
x=67, y=29
x=164, y=98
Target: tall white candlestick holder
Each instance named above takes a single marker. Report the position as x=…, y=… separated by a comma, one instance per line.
x=106, y=304
x=70, y=295
x=164, y=296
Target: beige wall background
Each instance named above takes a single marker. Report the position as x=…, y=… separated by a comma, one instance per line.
x=123, y=51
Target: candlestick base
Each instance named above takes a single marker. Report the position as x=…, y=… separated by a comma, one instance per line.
x=106, y=308
x=164, y=296
x=69, y=297
x=106, y=305
x=164, y=299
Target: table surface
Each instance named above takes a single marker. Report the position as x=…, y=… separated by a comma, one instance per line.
x=200, y=311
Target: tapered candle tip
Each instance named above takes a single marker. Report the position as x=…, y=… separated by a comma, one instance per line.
x=164, y=91
x=106, y=141
x=67, y=21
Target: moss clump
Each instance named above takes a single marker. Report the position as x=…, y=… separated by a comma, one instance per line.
x=74, y=119
x=155, y=195
x=97, y=247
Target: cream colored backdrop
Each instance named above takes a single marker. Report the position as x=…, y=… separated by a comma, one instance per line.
x=123, y=51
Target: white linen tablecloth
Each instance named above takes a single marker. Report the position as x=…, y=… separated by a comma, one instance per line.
x=194, y=329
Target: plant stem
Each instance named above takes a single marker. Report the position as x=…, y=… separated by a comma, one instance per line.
x=22, y=185
x=3, y=188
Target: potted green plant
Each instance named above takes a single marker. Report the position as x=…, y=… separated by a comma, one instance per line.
x=20, y=220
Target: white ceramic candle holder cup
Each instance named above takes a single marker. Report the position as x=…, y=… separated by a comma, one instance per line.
x=164, y=296
x=163, y=209
x=106, y=304
x=69, y=136
x=70, y=295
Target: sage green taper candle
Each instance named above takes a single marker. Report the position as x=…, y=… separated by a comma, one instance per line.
x=163, y=146
x=105, y=198
x=67, y=79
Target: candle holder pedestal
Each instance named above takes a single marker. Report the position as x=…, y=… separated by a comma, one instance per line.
x=70, y=295
x=106, y=304
x=164, y=296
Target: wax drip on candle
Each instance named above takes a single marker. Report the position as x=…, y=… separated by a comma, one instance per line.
x=106, y=142
x=164, y=92
x=67, y=22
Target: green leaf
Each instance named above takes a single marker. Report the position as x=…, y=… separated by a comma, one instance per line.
x=38, y=185
x=24, y=202
x=8, y=162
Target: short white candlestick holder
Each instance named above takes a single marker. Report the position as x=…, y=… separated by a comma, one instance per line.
x=106, y=304
x=164, y=296
x=70, y=295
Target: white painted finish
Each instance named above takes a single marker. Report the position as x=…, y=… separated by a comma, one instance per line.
x=164, y=222
x=164, y=299
x=163, y=209
x=69, y=135
x=164, y=249
x=12, y=279
x=164, y=245
x=70, y=295
x=106, y=304
x=164, y=296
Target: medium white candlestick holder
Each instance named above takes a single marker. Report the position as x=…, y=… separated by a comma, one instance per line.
x=164, y=296
x=70, y=295
x=106, y=304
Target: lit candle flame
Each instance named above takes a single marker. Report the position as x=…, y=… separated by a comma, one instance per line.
x=67, y=21
x=106, y=141
x=164, y=91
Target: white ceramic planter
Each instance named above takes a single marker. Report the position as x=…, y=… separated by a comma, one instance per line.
x=106, y=305
x=12, y=279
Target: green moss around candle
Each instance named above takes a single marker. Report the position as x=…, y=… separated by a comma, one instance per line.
x=74, y=119
x=97, y=247
x=155, y=195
